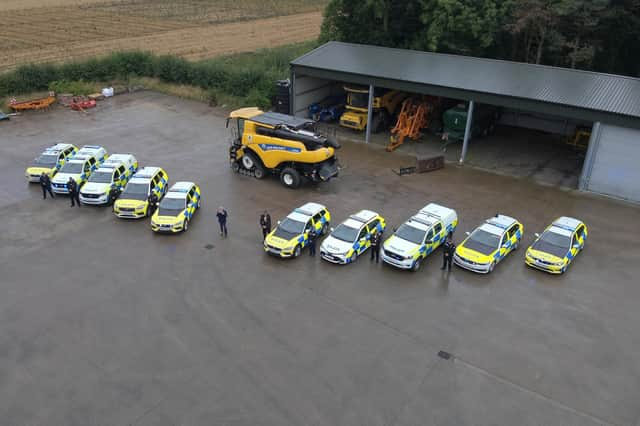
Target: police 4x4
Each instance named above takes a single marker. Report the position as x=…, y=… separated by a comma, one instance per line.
x=291, y=235
x=352, y=237
x=133, y=203
x=419, y=236
x=106, y=183
x=176, y=208
x=79, y=168
x=50, y=161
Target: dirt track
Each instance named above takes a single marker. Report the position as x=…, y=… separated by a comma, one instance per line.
x=80, y=33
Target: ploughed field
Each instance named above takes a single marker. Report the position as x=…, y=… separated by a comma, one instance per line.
x=63, y=30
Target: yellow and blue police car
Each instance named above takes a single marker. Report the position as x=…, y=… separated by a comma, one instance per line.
x=419, y=236
x=352, y=237
x=133, y=203
x=291, y=235
x=106, y=183
x=558, y=245
x=489, y=244
x=176, y=208
x=79, y=168
x=50, y=161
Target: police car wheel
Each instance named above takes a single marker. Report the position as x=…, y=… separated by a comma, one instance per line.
x=296, y=251
x=416, y=265
x=185, y=225
x=353, y=258
x=492, y=266
x=516, y=245
x=290, y=177
x=325, y=228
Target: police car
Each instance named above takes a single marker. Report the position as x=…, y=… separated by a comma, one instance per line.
x=176, y=208
x=133, y=203
x=352, y=237
x=50, y=161
x=558, y=245
x=489, y=244
x=79, y=167
x=419, y=236
x=109, y=180
x=291, y=235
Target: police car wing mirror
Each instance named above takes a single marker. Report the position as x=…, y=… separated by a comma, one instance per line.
x=468, y=233
x=429, y=242
x=279, y=222
x=537, y=235
x=576, y=246
x=394, y=229
x=331, y=229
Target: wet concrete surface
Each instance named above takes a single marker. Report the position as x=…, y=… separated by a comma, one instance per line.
x=105, y=323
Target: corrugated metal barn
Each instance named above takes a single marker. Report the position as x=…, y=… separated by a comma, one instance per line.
x=608, y=104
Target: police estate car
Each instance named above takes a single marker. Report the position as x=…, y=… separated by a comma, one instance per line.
x=133, y=203
x=106, y=183
x=558, y=245
x=291, y=235
x=419, y=236
x=488, y=244
x=79, y=168
x=176, y=208
x=50, y=161
x=352, y=237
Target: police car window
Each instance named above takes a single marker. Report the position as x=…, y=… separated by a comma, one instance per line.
x=363, y=234
x=317, y=217
x=308, y=226
x=87, y=166
x=580, y=231
x=120, y=169
x=373, y=224
x=45, y=160
x=92, y=161
x=437, y=228
x=512, y=230
x=430, y=234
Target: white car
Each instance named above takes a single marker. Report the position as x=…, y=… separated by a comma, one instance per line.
x=109, y=180
x=79, y=168
x=352, y=237
x=419, y=236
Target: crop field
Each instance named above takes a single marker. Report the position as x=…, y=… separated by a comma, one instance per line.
x=64, y=30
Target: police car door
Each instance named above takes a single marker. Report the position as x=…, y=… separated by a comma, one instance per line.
x=317, y=222
x=580, y=236
x=373, y=226
x=363, y=240
x=505, y=245
x=307, y=230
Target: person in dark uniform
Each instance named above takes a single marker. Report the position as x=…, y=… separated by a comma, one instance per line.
x=45, y=183
x=265, y=224
x=448, y=249
x=312, y=242
x=222, y=220
x=74, y=192
x=153, y=203
x=376, y=239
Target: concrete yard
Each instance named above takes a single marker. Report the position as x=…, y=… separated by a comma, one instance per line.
x=105, y=323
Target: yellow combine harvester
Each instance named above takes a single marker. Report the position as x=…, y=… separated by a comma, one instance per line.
x=385, y=104
x=284, y=145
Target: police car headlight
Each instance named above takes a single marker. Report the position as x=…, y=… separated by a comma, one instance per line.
x=140, y=207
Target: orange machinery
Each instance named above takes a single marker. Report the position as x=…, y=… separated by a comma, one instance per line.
x=415, y=115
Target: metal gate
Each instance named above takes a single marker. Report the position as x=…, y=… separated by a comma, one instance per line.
x=614, y=167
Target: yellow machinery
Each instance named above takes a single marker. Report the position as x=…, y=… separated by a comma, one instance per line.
x=280, y=144
x=415, y=115
x=580, y=139
x=385, y=104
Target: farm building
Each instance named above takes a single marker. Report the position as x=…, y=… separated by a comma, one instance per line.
x=600, y=109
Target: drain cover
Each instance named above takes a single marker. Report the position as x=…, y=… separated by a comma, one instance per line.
x=444, y=355
x=209, y=246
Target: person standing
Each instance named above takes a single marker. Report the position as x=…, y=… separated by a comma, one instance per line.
x=312, y=242
x=222, y=220
x=153, y=203
x=265, y=224
x=375, y=246
x=448, y=249
x=45, y=183
x=74, y=192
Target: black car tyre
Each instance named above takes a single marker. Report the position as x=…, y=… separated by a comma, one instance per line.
x=296, y=251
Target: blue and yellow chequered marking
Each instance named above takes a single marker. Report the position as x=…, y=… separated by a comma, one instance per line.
x=360, y=247
x=553, y=264
x=438, y=239
x=287, y=248
x=177, y=223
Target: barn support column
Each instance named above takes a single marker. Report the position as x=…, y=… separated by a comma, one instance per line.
x=587, y=166
x=467, y=133
x=367, y=137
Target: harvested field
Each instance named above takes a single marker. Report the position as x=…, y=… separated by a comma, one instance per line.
x=192, y=29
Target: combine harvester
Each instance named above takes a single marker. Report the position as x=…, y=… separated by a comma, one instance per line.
x=416, y=114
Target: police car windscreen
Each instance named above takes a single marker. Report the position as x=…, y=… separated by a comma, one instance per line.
x=46, y=160
x=483, y=242
x=136, y=191
x=345, y=233
x=552, y=243
x=171, y=206
x=72, y=168
x=411, y=234
x=289, y=228
x=101, y=177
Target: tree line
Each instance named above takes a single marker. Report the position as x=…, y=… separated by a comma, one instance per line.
x=598, y=35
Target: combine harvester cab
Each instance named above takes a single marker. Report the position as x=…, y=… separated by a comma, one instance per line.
x=283, y=145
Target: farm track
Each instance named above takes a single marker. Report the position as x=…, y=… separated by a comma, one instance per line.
x=64, y=34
